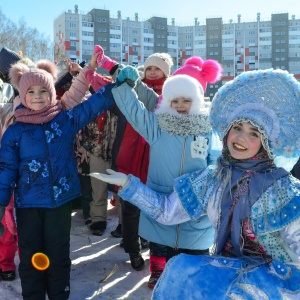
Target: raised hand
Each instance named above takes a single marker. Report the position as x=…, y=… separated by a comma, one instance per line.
x=128, y=74
x=104, y=61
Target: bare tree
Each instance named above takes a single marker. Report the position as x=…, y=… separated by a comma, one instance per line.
x=20, y=37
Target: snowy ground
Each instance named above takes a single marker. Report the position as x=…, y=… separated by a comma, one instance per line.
x=93, y=259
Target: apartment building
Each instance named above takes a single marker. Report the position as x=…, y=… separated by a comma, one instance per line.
x=239, y=46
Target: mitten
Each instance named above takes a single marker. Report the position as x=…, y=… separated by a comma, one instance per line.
x=96, y=80
x=104, y=61
x=128, y=74
x=2, y=211
x=116, y=178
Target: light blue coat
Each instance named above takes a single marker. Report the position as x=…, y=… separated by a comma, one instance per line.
x=171, y=155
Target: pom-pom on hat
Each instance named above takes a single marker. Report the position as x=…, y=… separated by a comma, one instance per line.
x=23, y=77
x=204, y=71
x=7, y=58
x=268, y=99
x=181, y=86
x=163, y=61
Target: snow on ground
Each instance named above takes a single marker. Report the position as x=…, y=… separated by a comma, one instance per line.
x=93, y=260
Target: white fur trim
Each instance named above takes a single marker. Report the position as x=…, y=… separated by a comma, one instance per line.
x=182, y=86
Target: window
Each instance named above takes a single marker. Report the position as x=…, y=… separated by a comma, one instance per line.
x=115, y=27
x=87, y=33
x=87, y=24
x=72, y=34
x=72, y=43
x=87, y=43
x=72, y=25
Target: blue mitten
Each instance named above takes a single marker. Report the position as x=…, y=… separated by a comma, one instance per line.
x=2, y=211
x=128, y=74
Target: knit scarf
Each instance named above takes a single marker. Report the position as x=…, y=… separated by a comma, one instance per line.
x=247, y=180
x=45, y=115
x=156, y=84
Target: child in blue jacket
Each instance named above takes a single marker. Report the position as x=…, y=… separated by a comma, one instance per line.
x=37, y=163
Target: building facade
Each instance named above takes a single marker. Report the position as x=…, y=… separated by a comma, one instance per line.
x=238, y=46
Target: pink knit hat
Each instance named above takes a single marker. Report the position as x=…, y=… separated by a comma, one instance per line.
x=44, y=74
x=204, y=71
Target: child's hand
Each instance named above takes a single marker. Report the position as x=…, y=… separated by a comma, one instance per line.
x=103, y=61
x=74, y=68
x=93, y=63
x=114, y=177
x=2, y=211
x=128, y=74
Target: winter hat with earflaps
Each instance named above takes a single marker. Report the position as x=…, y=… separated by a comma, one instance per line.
x=7, y=58
x=205, y=71
x=269, y=100
x=163, y=61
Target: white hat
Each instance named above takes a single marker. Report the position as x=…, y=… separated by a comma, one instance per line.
x=182, y=86
x=163, y=61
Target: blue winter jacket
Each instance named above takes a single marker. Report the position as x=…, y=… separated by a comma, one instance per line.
x=37, y=161
x=170, y=156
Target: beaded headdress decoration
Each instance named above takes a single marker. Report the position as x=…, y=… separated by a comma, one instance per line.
x=269, y=100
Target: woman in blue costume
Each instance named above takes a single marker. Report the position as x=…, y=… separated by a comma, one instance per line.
x=251, y=201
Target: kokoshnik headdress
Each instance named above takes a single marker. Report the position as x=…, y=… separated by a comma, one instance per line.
x=268, y=99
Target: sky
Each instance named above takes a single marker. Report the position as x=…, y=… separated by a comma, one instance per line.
x=40, y=14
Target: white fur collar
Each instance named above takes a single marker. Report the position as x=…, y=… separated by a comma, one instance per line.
x=184, y=125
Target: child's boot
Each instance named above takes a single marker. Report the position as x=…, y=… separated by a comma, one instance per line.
x=157, y=265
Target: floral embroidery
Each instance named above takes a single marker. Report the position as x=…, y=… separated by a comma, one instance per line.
x=49, y=136
x=63, y=182
x=70, y=113
x=34, y=166
x=57, y=191
x=45, y=173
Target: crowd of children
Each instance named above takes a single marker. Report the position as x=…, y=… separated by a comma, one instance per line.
x=198, y=201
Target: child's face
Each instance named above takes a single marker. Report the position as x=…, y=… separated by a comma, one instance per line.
x=154, y=73
x=243, y=141
x=37, y=97
x=182, y=105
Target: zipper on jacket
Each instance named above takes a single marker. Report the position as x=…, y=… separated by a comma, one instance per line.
x=181, y=171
